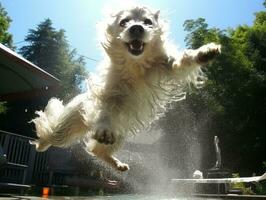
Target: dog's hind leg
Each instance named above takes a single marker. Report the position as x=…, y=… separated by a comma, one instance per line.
x=103, y=152
x=114, y=162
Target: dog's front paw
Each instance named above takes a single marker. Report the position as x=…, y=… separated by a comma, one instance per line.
x=207, y=52
x=104, y=135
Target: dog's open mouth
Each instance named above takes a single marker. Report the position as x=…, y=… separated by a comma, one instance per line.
x=136, y=47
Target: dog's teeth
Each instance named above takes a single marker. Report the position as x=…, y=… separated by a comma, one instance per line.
x=132, y=47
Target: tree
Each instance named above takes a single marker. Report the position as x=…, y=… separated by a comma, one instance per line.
x=49, y=49
x=2, y=107
x=5, y=39
x=199, y=33
x=5, y=36
x=232, y=103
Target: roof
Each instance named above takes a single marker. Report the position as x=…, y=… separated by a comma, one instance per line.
x=19, y=78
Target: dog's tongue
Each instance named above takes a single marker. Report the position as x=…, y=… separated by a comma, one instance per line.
x=136, y=45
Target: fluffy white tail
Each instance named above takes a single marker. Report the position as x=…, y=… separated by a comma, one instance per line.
x=60, y=125
x=46, y=123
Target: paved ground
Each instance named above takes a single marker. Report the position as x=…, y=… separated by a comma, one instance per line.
x=141, y=197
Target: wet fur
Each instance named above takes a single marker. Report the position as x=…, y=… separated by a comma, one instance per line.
x=131, y=91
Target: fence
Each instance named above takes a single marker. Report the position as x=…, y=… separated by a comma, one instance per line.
x=55, y=168
x=24, y=165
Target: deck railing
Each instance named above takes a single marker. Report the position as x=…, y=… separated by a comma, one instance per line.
x=24, y=164
x=54, y=168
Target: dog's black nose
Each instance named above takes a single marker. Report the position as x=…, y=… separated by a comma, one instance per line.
x=136, y=30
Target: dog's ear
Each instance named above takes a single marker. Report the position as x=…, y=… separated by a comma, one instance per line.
x=112, y=17
x=156, y=14
x=110, y=28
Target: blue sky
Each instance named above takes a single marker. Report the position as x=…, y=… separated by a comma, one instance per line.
x=79, y=17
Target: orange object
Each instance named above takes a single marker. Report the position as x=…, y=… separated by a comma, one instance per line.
x=45, y=191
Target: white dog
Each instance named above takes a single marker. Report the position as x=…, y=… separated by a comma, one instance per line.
x=143, y=74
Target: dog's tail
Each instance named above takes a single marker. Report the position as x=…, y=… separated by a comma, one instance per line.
x=46, y=122
x=62, y=125
x=41, y=145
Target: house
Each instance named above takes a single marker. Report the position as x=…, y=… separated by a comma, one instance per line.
x=26, y=88
x=21, y=79
x=21, y=84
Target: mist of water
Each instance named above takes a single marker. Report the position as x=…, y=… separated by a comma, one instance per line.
x=172, y=148
x=176, y=153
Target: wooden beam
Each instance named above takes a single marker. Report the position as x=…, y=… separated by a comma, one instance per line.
x=46, y=91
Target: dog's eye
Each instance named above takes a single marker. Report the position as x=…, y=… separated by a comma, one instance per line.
x=123, y=22
x=147, y=22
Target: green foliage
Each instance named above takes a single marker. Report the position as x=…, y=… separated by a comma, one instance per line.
x=5, y=39
x=234, y=95
x=49, y=49
x=5, y=36
x=261, y=186
x=199, y=33
x=198, y=29
x=241, y=186
x=3, y=108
